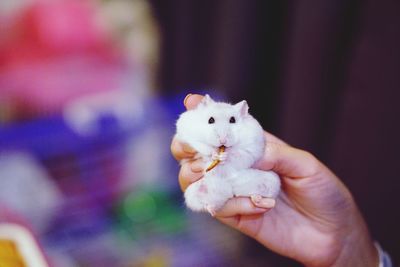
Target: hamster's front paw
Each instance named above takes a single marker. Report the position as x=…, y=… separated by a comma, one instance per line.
x=220, y=156
x=223, y=157
x=215, y=155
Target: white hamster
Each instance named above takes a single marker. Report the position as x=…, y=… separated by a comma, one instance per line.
x=208, y=127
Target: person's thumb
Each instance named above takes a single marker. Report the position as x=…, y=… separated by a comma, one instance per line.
x=192, y=100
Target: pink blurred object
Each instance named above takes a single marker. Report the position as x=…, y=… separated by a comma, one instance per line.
x=65, y=26
x=54, y=28
x=56, y=51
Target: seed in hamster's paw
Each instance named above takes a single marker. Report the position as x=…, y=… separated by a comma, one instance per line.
x=216, y=158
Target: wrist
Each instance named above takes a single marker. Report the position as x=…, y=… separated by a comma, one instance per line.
x=358, y=248
x=384, y=258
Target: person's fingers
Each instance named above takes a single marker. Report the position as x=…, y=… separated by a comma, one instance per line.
x=181, y=150
x=289, y=161
x=189, y=173
x=261, y=202
x=239, y=206
x=248, y=224
x=192, y=100
x=197, y=166
x=273, y=139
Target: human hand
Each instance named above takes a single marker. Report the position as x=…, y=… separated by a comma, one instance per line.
x=315, y=220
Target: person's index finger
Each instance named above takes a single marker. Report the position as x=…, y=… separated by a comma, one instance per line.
x=288, y=161
x=239, y=205
x=192, y=100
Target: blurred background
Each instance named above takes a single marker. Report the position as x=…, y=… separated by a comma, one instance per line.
x=90, y=91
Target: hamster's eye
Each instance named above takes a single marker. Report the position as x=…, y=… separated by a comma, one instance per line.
x=232, y=120
x=211, y=120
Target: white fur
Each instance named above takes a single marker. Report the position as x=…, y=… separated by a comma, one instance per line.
x=249, y=182
x=245, y=144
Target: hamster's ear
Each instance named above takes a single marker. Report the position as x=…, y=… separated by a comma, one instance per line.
x=206, y=100
x=242, y=107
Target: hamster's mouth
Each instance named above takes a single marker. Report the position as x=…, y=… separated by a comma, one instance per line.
x=220, y=146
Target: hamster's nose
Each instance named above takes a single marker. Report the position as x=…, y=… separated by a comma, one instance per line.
x=222, y=140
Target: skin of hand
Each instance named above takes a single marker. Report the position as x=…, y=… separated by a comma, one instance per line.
x=315, y=219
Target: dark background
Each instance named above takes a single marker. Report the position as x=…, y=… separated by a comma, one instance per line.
x=322, y=75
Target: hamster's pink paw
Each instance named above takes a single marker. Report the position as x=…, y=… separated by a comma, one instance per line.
x=215, y=155
x=222, y=157
x=211, y=209
x=255, y=199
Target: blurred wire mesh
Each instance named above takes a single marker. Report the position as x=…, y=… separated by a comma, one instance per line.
x=84, y=140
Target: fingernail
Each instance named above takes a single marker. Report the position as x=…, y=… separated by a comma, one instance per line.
x=188, y=149
x=267, y=203
x=197, y=166
x=186, y=98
